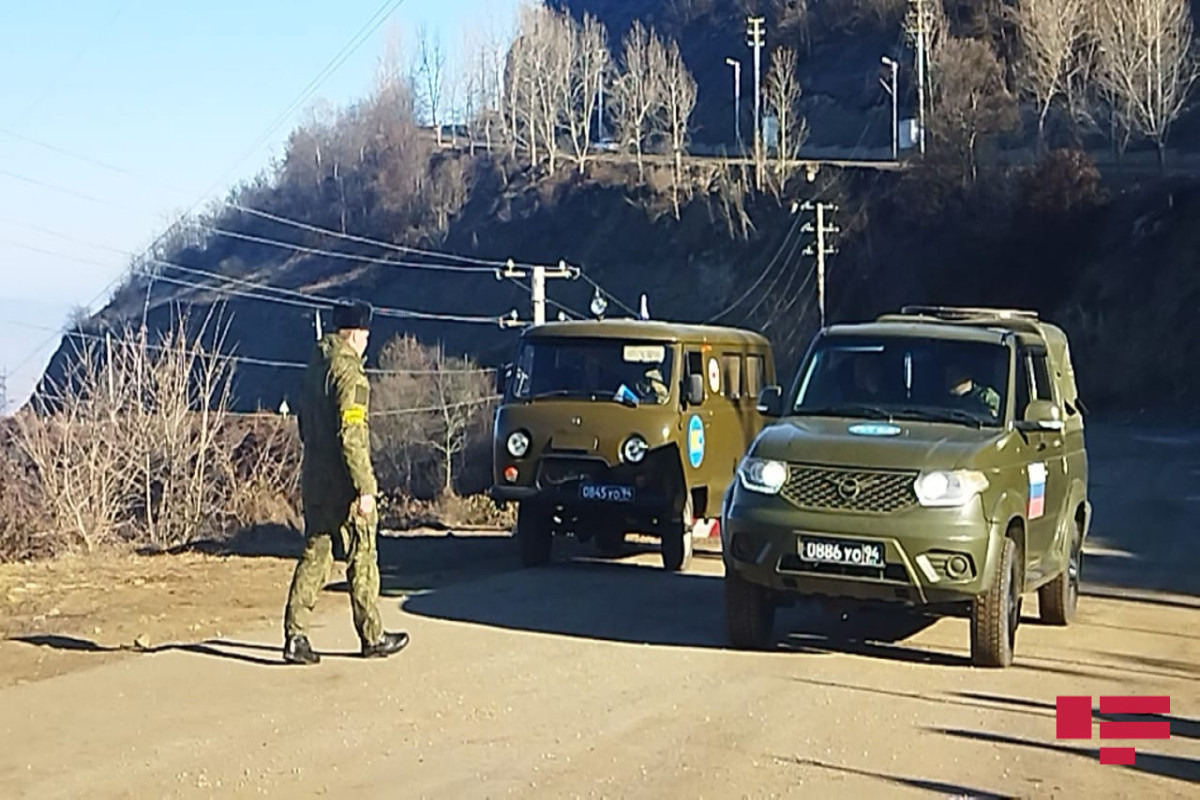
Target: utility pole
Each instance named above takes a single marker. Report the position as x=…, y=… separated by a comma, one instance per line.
x=538, y=283
x=737, y=99
x=755, y=32
x=822, y=249
x=921, y=32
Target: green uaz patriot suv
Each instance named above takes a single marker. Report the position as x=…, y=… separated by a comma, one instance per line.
x=933, y=458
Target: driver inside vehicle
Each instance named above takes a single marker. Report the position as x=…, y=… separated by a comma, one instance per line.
x=973, y=396
x=653, y=385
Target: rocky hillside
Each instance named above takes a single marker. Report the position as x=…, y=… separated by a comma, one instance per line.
x=1108, y=257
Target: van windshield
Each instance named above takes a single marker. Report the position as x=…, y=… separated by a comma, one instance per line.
x=594, y=369
x=936, y=380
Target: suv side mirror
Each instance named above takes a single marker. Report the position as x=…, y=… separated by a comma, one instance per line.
x=770, y=401
x=502, y=378
x=1041, y=415
x=695, y=390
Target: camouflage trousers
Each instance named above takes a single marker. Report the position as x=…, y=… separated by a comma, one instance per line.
x=356, y=537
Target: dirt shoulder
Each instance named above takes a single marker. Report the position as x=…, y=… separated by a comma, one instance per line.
x=80, y=611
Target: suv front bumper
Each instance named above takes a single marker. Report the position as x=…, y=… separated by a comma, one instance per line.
x=761, y=539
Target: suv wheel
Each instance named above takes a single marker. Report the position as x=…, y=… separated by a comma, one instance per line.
x=996, y=614
x=534, y=536
x=1058, y=599
x=749, y=612
x=677, y=542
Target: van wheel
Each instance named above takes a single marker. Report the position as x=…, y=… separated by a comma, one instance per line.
x=677, y=542
x=1058, y=599
x=996, y=614
x=534, y=536
x=749, y=613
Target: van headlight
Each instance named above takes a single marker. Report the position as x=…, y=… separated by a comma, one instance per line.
x=947, y=489
x=517, y=444
x=762, y=475
x=634, y=449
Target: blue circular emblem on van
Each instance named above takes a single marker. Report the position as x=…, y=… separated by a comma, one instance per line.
x=695, y=441
x=874, y=429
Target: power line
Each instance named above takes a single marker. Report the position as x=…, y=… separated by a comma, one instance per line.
x=303, y=299
x=762, y=276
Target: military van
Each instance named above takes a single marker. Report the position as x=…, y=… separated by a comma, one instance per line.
x=609, y=427
x=933, y=458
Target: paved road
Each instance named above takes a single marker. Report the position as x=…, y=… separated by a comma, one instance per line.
x=611, y=679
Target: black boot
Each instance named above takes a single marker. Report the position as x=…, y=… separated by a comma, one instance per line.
x=390, y=643
x=297, y=650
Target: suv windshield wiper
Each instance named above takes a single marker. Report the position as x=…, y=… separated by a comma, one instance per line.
x=943, y=415
x=847, y=410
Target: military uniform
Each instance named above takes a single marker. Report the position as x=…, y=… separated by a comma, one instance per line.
x=988, y=397
x=336, y=471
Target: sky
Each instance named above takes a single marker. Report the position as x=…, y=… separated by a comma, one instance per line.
x=175, y=95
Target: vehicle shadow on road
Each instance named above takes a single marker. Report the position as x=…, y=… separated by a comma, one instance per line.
x=939, y=787
x=1176, y=767
x=640, y=604
x=212, y=647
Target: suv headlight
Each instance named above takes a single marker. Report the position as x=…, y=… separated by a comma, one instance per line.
x=762, y=475
x=634, y=449
x=942, y=489
x=517, y=444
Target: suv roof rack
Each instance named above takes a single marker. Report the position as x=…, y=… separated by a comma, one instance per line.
x=968, y=313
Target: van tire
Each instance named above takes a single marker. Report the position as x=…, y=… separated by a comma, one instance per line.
x=534, y=536
x=749, y=613
x=996, y=614
x=1058, y=599
x=676, y=543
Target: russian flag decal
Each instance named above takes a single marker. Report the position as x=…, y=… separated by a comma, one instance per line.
x=1037, y=491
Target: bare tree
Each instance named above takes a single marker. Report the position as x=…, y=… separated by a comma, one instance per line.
x=679, y=100
x=1146, y=64
x=431, y=69
x=589, y=65
x=1050, y=33
x=782, y=94
x=399, y=437
x=638, y=91
x=459, y=395
x=970, y=98
x=3, y=392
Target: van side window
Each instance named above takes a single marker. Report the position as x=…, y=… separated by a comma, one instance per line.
x=732, y=367
x=695, y=366
x=754, y=375
x=1042, y=390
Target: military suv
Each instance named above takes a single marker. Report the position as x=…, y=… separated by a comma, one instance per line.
x=933, y=458
x=610, y=426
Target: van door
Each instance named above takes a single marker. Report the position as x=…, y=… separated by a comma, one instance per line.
x=698, y=421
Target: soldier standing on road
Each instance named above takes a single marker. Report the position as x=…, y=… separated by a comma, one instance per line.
x=338, y=488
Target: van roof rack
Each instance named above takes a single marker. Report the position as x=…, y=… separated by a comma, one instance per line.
x=968, y=313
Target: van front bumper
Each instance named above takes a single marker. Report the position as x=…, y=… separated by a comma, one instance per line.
x=931, y=556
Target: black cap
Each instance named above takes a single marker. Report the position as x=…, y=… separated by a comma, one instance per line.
x=352, y=315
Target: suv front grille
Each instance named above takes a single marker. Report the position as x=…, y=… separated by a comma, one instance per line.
x=840, y=489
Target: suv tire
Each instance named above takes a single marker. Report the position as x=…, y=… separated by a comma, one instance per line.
x=996, y=614
x=749, y=613
x=534, y=536
x=1058, y=599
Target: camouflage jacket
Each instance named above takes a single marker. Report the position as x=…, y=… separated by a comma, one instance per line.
x=333, y=424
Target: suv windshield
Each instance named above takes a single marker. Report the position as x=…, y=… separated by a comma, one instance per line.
x=594, y=369
x=906, y=378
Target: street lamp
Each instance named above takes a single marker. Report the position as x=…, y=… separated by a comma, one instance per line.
x=895, y=120
x=737, y=98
